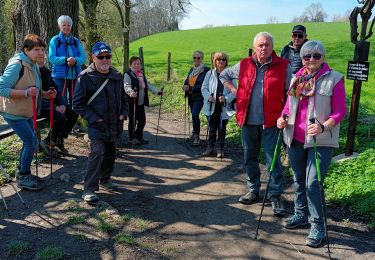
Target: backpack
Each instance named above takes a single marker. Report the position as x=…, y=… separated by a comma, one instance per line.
x=66, y=43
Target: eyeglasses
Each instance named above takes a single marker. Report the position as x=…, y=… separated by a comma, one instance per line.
x=315, y=56
x=108, y=57
x=196, y=58
x=298, y=35
x=221, y=59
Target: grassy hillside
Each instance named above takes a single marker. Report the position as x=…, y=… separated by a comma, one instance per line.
x=235, y=41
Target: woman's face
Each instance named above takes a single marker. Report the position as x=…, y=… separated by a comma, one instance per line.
x=313, y=61
x=197, y=59
x=36, y=54
x=65, y=28
x=221, y=63
x=136, y=65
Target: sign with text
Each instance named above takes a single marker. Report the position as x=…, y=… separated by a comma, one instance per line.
x=358, y=70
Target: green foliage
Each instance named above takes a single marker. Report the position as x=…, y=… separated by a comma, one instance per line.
x=17, y=247
x=9, y=148
x=352, y=184
x=50, y=253
x=74, y=220
x=124, y=238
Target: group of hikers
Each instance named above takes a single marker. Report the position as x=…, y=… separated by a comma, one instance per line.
x=297, y=94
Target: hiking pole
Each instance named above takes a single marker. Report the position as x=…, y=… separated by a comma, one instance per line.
x=208, y=125
x=66, y=78
x=51, y=108
x=222, y=136
x=36, y=134
x=185, y=120
x=134, y=114
x=321, y=187
x=157, y=128
x=269, y=179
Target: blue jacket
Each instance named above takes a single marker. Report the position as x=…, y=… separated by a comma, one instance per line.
x=11, y=75
x=60, y=48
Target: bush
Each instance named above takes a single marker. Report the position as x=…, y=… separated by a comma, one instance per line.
x=352, y=184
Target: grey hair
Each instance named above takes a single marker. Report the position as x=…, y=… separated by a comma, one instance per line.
x=311, y=47
x=200, y=53
x=65, y=19
x=263, y=34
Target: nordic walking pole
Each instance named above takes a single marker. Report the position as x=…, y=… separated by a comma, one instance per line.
x=321, y=187
x=66, y=78
x=36, y=134
x=134, y=114
x=208, y=124
x=269, y=179
x=157, y=128
x=185, y=120
x=51, y=108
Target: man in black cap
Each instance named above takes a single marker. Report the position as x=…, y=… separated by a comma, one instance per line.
x=291, y=51
x=101, y=100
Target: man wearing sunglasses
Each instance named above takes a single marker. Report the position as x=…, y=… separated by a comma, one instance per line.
x=100, y=99
x=292, y=50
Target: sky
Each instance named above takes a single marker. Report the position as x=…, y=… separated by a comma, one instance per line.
x=246, y=12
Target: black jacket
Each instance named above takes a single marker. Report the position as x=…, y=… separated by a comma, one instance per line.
x=47, y=83
x=293, y=56
x=135, y=87
x=108, y=105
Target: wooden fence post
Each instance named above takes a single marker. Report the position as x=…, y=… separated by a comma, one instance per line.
x=169, y=67
x=142, y=58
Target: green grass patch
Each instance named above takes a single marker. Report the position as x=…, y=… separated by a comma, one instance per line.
x=127, y=217
x=124, y=238
x=352, y=184
x=74, y=220
x=50, y=253
x=74, y=206
x=9, y=149
x=17, y=247
x=142, y=223
x=81, y=238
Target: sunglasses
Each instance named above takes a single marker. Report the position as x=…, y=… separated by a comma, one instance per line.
x=108, y=57
x=298, y=35
x=221, y=59
x=315, y=56
x=196, y=58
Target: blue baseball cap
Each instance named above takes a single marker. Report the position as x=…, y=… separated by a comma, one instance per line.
x=100, y=47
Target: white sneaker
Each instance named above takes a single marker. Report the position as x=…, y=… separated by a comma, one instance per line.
x=89, y=196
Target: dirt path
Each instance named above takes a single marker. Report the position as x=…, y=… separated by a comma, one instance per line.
x=171, y=204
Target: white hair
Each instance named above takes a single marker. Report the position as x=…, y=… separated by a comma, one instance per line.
x=263, y=34
x=65, y=19
x=312, y=47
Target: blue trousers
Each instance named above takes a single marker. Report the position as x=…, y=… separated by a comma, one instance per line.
x=195, y=108
x=25, y=130
x=307, y=191
x=253, y=136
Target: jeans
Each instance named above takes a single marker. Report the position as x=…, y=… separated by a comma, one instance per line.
x=140, y=121
x=252, y=138
x=307, y=190
x=68, y=92
x=100, y=164
x=195, y=108
x=25, y=130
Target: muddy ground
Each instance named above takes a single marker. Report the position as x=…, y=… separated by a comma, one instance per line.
x=172, y=204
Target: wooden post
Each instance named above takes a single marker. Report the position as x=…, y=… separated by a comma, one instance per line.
x=142, y=59
x=361, y=52
x=169, y=67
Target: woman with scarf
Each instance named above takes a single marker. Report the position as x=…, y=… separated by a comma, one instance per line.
x=192, y=87
x=317, y=94
x=216, y=106
x=137, y=86
x=67, y=55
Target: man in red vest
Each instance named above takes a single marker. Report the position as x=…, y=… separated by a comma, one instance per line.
x=263, y=80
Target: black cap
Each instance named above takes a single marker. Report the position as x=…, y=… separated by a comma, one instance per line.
x=299, y=28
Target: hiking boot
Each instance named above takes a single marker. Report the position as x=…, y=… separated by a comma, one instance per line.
x=316, y=236
x=89, y=196
x=196, y=140
x=61, y=147
x=220, y=153
x=277, y=207
x=297, y=220
x=28, y=182
x=109, y=186
x=249, y=198
x=209, y=151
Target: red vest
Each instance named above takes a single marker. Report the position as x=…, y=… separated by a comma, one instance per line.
x=273, y=89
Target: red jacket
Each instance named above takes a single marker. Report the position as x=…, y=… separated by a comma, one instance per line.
x=273, y=89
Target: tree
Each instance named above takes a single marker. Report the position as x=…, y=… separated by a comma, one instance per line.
x=272, y=19
x=315, y=13
x=3, y=39
x=341, y=18
x=90, y=26
x=40, y=17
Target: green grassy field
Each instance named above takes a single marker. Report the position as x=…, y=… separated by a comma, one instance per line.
x=235, y=41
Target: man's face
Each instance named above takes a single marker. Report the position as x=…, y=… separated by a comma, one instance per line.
x=102, y=62
x=36, y=54
x=298, y=38
x=263, y=48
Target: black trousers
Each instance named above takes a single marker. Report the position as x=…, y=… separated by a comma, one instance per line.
x=217, y=129
x=63, y=123
x=137, y=123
